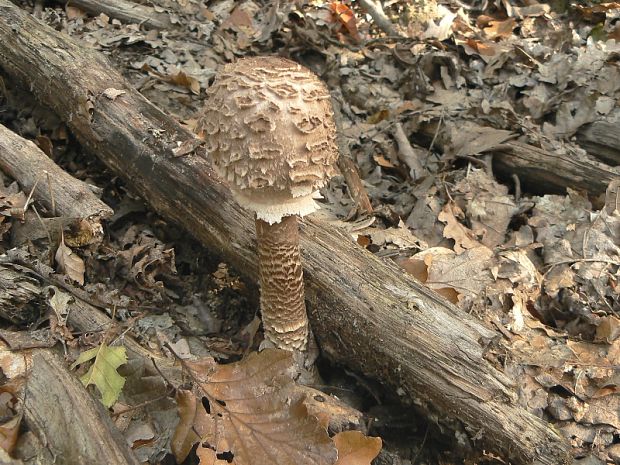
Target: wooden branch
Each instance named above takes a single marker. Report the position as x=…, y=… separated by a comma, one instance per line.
x=67, y=419
x=123, y=10
x=406, y=153
x=86, y=318
x=366, y=313
x=543, y=172
x=375, y=10
x=602, y=139
x=60, y=193
x=347, y=166
x=21, y=298
x=26, y=281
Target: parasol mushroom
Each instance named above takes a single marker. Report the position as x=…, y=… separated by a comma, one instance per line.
x=270, y=132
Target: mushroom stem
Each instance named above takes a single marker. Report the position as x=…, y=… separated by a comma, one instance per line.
x=282, y=286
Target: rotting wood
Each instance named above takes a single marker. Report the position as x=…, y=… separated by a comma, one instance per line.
x=21, y=299
x=367, y=313
x=541, y=171
x=59, y=192
x=602, y=139
x=128, y=12
x=74, y=427
x=28, y=281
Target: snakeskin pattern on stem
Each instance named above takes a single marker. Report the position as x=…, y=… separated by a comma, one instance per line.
x=282, y=287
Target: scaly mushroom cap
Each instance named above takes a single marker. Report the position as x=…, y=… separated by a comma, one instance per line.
x=269, y=128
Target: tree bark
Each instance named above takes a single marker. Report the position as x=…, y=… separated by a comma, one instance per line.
x=367, y=314
x=59, y=192
x=545, y=172
x=68, y=420
x=21, y=298
x=602, y=139
x=123, y=10
x=541, y=171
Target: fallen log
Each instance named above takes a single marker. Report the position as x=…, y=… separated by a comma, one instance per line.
x=601, y=138
x=23, y=284
x=540, y=171
x=543, y=172
x=29, y=280
x=125, y=11
x=74, y=426
x=366, y=313
x=59, y=192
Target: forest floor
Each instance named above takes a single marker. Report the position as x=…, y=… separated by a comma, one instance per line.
x=434, y=107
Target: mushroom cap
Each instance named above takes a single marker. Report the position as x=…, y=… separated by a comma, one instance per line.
x=269, y=129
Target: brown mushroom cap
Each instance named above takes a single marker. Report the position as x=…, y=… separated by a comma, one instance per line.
x=269, y=129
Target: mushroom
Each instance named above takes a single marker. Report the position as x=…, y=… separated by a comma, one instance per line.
x=269, y=129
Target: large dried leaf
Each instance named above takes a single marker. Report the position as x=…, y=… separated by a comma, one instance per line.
x=452, y=275
x=59, y=301
x=252, y=412
x=102, y=373
x=209, y=457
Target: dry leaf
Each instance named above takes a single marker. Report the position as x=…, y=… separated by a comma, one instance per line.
x=69, y=263
x=609, y=329
x=464, y=238
x=354, y=448
x=345, y=15
x=59, y=302
x=472, y=139
x=500, y=29
x=209, y=457
x=11, y=414
x=487, y=205
x=184, y=80
x=452, y=275
x=253, y=413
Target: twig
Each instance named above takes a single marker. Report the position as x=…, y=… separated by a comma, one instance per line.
x=517, y=182
x=406, y=152
x=37, y=11
x=49, y=236
x=146, y=403
x=347, y=166
x=432, y=144
x=484, y=163
x=583, y=260
x=49, y=186
x=375, y=10
x=30, y=194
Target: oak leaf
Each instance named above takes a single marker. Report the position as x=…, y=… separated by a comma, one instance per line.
x=102, y=373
